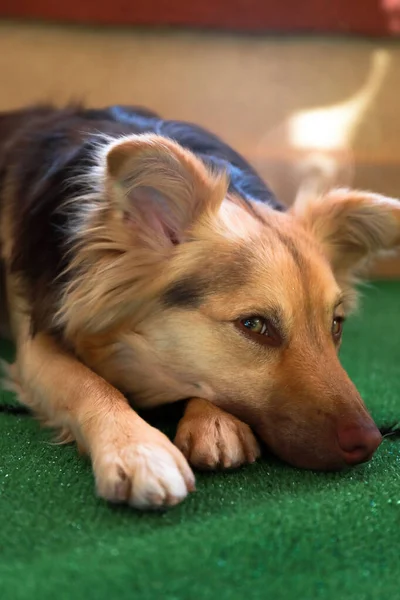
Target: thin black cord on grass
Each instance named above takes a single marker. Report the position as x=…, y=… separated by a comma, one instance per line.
x=14, y=409
x=392, y=431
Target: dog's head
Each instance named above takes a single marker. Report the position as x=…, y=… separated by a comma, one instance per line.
x=186, y=292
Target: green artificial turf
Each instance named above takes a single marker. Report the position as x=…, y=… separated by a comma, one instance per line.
x=266, y=531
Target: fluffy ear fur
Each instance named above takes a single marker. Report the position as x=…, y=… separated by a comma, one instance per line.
x=352, y=226
x=160, y=187
x=153, y=191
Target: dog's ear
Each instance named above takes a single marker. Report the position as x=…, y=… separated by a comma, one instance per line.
x=159, y=187
x=351, y=225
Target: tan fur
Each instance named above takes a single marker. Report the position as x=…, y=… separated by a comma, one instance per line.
x=352, y=226
x=211, y=438
x=132, y=461
x=299, y=266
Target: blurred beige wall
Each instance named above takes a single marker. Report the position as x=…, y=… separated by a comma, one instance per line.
x=279, y=101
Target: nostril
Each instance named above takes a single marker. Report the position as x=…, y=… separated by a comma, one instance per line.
x=358, y=443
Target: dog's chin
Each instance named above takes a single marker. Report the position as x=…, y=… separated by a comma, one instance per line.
x=303, y=451
x=325, y=444
x=310, y=456
x=312, y=461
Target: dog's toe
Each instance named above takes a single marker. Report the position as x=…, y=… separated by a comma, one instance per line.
x=219, y=442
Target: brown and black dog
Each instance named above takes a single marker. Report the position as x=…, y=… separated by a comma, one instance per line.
x=145, y=258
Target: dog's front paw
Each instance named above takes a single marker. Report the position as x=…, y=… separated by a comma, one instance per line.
x=148, y=473
x=214, y=439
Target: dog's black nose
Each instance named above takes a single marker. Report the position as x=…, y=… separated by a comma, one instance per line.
x=358, y=442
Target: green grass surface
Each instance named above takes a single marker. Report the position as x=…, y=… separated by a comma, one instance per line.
x=266, y=531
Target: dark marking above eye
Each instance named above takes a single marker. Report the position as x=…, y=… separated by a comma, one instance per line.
x=216, y=276
x=185, y=293
x=292, y=248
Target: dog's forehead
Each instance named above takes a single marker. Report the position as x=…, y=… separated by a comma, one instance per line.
x=290, y=264
x=281, y=274
x=271, y=263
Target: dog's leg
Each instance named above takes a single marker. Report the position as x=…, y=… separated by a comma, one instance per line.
x=132, y=461
x=210, y=438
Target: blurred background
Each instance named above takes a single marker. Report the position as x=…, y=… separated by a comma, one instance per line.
x=301, y=88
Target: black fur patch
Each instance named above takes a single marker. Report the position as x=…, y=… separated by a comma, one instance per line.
x=45, y=180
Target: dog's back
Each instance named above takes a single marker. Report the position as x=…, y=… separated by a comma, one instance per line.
x=57, y=130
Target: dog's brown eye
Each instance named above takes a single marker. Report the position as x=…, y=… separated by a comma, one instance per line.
x=260, y=330
x=337, y=328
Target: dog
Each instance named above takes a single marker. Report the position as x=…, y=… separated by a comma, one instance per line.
x=145, y=262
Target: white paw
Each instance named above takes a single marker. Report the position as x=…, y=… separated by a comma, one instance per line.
x=146, y=474
x=216, y=441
